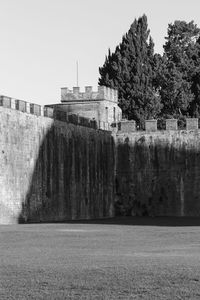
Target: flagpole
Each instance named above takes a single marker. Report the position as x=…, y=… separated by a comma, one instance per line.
x=77, y=73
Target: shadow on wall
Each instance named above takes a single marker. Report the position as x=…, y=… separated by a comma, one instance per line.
x=159, y=177
x=73, y=176
x=53, y=171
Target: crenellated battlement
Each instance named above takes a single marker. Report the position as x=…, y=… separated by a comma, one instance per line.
x=23, y=106
x=124, y=126
x=103, y=93
x=129, y=126
x=48, y=111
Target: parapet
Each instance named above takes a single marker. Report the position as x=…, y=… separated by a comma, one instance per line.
x=150, y=125
x=171, y=124
x=125, y=126
x=192, y=124
x=23, y=106
x=48, y=111
x=103, y=93
x=128, y=126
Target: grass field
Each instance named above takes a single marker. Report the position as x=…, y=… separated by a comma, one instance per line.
x=122, y=259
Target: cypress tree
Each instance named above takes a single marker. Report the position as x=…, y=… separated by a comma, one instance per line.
x=131, y=70
x=180, y=77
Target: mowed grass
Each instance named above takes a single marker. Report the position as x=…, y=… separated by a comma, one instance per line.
x=99, y=261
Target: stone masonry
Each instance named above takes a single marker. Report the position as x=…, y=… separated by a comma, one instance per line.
x=101, y=105
x=57, y=167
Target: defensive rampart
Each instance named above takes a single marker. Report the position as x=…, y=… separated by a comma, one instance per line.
x=158, y=173
x=53, y=170
x=46, y=111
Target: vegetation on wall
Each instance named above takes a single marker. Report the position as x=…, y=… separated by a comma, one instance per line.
x=151, y=85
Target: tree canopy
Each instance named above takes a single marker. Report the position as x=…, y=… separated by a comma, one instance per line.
x=130, y=69
x=181, y=60
x=153, y=85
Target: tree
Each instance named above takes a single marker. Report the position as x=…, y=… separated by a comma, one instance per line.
x=180, y=75
x=130, y=69
x=175, y=91
x=181, y=36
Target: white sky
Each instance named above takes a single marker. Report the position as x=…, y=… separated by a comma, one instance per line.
x=41, y=40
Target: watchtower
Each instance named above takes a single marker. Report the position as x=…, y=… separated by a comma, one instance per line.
x=101, y=105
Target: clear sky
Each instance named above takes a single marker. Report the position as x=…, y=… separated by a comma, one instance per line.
x=41, y=40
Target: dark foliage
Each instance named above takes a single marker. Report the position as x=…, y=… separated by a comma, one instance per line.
x=151, y=85
x=132, y=70
x=179, y=80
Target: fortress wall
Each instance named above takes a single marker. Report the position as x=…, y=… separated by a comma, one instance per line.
x=56, y=171
x=52, y=170
x=158, y=173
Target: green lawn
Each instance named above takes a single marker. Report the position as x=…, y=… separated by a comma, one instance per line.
x=99, y=261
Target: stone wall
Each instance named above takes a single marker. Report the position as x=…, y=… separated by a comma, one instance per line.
x=158, y=173
x=46, y=111
x=53, y=170
x=104, y=112
x=103, y=93
x=101, y=105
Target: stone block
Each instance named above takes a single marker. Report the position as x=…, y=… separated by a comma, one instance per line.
x=76, y=90
x=192, y=124
x=128, y=126
x=35, y=109
x=48, y=112
x=151, y=125
x=5, y=101
x=171, y=124
x=64, y=92
x=101, y=92
x=21, y=105
x=88, y=89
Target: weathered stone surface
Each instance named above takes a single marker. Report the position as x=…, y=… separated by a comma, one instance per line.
x=53, y=171
x=191, y=124
x=150, y=125
x=101, y=105
x=5, y=101
x=128, y=126
x=103, y=93
x=158, y=173
x=171, y=124
x=21, y=105
x=35, y=109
